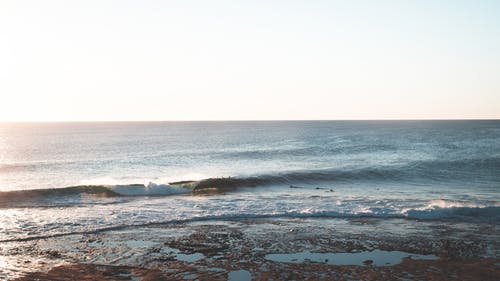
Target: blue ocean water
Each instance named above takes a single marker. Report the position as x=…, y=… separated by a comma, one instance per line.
x=88, y=176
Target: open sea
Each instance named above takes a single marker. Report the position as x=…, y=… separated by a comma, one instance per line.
x=61, y=178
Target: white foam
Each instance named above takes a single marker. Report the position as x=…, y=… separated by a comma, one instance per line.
x=440, y=203
x=149, y=189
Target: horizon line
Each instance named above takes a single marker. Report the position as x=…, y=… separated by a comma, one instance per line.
x=250, y=120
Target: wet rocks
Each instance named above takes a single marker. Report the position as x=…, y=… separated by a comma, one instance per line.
x=213, y=250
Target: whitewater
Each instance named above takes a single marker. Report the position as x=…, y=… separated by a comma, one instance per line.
x=63, y=178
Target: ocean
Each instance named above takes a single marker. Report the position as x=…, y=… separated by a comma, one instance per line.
x=63, y=178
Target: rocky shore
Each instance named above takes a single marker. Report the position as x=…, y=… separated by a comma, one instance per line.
x=264, y=249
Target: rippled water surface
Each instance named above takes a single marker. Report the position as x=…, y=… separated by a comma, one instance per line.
x=61, y=178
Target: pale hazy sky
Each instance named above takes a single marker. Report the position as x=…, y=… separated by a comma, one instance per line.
x=206, y=60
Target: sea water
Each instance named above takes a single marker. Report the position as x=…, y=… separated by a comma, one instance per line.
x=59, y=178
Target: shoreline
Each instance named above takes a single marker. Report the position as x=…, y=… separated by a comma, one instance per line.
x=216, y=250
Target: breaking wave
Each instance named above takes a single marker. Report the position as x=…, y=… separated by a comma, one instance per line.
x=39, y=197
x=73, y=195
x=431, y=172
x=491, y=213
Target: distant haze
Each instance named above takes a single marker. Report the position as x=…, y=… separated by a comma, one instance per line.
x=234, y=60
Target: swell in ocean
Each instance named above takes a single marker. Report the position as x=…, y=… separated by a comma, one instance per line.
x=423, y=172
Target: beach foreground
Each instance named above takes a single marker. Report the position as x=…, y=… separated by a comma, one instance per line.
x=264, y=249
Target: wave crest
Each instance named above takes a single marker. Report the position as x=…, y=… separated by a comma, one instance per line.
x=72, y=195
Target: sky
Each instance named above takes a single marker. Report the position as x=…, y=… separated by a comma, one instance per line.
x=249, y=60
